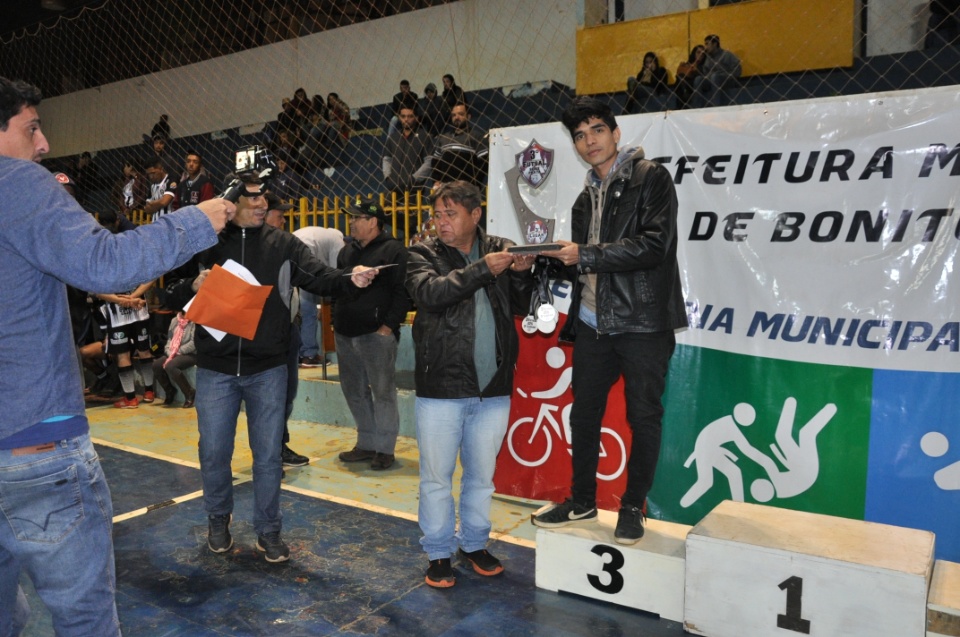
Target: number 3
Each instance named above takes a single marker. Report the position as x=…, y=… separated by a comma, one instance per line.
x=612, y=568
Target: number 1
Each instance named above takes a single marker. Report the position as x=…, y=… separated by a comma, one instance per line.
x=791, y=620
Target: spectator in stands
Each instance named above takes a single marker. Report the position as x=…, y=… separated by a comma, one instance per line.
x=339, y=115
x=44, y=432
x=432, y=118
x=179, y=355
x=367, y=328
x=195, y=183
x=301, y=104
x=319, y=108
x=943, y=27
x=283, y=146
x=287, y=118
x=405, y=151
x=687, y=72
x=647, y=91
x=134, y=189
x=163, y=190
x=286, y=184
x=452, y=95
x=160, y=150
x=719, y=71
x=161, y=129
x=87, y=177
x=458, y=152
x=404, y=98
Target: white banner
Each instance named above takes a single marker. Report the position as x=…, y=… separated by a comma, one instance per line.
x=816, y=231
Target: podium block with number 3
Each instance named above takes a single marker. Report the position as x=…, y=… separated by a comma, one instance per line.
x=586, y=560
x=758, y=571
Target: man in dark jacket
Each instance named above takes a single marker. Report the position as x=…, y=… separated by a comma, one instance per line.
x=626, y=304
x=236, y=369
x=366, y=325
x=466, y=288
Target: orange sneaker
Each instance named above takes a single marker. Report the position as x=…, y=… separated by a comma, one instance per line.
x=148, y=396
x=123, y=403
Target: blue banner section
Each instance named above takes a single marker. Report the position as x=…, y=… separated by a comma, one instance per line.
x=913, y=474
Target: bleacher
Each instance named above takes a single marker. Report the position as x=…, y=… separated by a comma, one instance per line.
x=498, y=108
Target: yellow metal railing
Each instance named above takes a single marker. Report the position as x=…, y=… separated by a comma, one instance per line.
x=406, y=213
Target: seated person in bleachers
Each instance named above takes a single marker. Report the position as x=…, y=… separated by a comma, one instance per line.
x=179, y=354
x=686, y=73
x=646, y=93
x=460, y=153
x=718, y=73
x=431, y=110
x=286, y=183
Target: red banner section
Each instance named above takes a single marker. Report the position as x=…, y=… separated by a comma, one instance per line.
x=534, y=461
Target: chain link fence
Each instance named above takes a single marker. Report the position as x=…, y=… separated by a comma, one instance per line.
x=318, y=81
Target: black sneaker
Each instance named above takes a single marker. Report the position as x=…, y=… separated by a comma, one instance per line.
x=274, y=549
x=440, y=574
x=311, y=361
x=482, y=562
x=218, y=533
x=567, y=512
x=357, y=455
x=291, y=458
x=629, y=525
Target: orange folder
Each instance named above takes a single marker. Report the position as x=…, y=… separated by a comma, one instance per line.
x=228, y=303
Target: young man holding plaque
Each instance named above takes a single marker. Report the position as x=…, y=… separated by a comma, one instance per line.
x=626, y=304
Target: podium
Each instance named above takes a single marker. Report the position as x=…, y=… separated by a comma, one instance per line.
x=749, y=570
x=943, y=602
x=586, y=560
x=758, y=570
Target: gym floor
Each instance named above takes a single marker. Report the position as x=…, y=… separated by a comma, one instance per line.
x=356, y=565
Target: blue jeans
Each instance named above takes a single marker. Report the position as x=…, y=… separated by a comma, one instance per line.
x=57, y=523
x=368, y=379
x=473, y=428
x=308, y=324
x=218, y=405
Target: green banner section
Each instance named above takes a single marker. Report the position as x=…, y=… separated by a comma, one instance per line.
x=792, y=435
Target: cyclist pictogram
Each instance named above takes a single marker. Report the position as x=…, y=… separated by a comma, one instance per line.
x=530, y=440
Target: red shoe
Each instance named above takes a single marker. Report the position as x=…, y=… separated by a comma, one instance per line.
x=123, y=403
x=148, y=396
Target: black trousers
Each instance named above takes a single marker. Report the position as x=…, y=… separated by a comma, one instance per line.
x=598, y=361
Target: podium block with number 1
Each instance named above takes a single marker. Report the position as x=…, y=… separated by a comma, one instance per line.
x=762, y=571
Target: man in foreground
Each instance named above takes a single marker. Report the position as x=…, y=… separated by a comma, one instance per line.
x=53, y=494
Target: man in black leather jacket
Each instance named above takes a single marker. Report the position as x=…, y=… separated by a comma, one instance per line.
x=467, y=289
x=626, y=304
